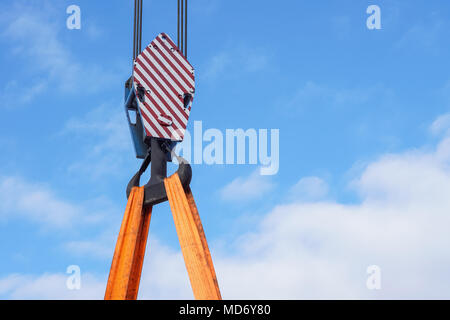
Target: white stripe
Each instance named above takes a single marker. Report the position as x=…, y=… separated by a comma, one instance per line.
x=149, y=128
x=172, y=108
x=161, y=70
x=158, y=67
x=149, y=115
x=160, y=56
x=177, y=136
x=165, y=109
x=183, y=116
x=180, y=133
x=155, y=121
x=161, y=53
x=174, y=135
x=179, y=56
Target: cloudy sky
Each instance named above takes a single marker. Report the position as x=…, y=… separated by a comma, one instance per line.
x=364, y=126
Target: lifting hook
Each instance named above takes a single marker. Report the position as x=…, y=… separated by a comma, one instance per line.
x=155, y=190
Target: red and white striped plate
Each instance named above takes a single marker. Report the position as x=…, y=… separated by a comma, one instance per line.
x=165, y=86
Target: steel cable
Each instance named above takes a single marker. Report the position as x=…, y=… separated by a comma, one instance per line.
x=185, y=27
x=134, y=30
x=178, y=24
x=182, y=26
x=140, y=27
x=137, y=31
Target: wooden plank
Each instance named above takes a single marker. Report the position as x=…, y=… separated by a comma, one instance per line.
x=192, y=241
x=124, y=277
x=139, y=254
x=198, y=222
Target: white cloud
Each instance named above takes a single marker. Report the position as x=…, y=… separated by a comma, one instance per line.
x=50, y=286
x=106, y=140
x=33, y=38
x=322, y=249
x=106, y=124
x=312, y=94
x=234, y=62
x=308, y=189
x=164, y=276
x=441, y=124
x=101, y=246
x=19, y=198
x=37, y=203
x=425, y=35
x=248, y=188
x=218, y=64
x=96, y=249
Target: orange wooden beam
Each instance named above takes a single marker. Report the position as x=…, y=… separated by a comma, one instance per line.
x=126, y=267
x=193, y=242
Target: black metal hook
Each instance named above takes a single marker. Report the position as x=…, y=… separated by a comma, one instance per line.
x=155, y=190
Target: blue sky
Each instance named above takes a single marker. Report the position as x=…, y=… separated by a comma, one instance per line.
x=363, y=120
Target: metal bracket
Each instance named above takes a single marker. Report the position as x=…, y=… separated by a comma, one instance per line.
x=154, y=190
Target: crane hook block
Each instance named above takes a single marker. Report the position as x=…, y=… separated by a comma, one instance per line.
x=156, y=193
x=164, y=83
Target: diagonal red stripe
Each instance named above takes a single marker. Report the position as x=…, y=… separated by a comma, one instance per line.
x=175, y=57
x=176, y=68
x=162, y=66
x=153, y=121
x=160, y=98
x=178, y=104
x=154, y=102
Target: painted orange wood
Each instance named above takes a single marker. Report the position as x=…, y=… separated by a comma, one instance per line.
x=201, y=231
x=139, y=254
x=125, y=273
x=193, y=241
